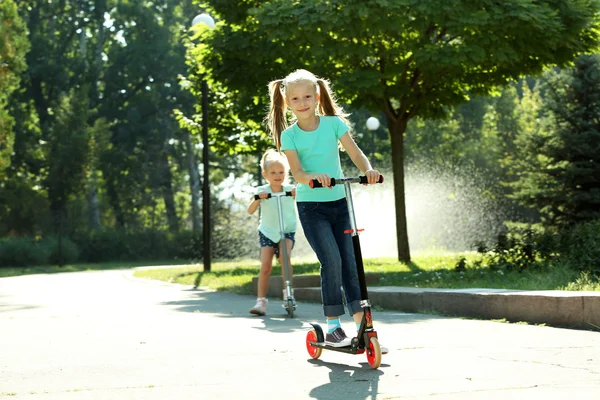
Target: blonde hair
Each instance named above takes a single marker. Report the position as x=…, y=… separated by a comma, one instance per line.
x=273, y=156
x=277, y=120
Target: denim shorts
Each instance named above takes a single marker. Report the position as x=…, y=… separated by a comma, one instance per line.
x=324, y=224
x=266, y=242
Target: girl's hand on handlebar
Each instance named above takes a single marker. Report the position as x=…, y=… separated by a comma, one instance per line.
x=294, y=192
x=372, y=176
x=323, y=179
x=263, y=195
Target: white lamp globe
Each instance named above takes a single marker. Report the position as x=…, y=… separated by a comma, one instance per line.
x=203, y=19
x=372, y=123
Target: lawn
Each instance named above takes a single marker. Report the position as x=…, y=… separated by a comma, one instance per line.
x=428, y=270
x=433, y=269
x=54, y=269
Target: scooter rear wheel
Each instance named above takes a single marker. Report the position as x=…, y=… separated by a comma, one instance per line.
x=314, y=352
x=374, y=353
x=290, y=308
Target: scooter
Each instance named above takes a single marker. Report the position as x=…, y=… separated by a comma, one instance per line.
x=366, y=340
x=289, y=299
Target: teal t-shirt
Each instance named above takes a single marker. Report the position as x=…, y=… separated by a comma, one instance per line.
x=318, y=153
x=269, y=214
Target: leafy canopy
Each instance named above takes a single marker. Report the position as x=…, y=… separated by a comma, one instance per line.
x=408, y=57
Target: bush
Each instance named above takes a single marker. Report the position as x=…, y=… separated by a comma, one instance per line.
x=22, y=252
x=69, y=251
x=581, y=247
x=118, y=245
x=522, y=247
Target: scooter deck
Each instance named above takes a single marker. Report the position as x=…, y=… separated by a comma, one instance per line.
x=345, y=349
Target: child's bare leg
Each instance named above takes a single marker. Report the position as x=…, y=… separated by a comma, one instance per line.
x=358, y=318
x=266, y=267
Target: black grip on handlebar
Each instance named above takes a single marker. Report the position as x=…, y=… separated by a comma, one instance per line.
x=313, y=183
x=257, y=197
x=363, y=179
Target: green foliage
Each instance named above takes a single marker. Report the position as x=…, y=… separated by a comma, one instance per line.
x=21, y=252
x=559, y=166
x=521, y=248
x=69, y=253
x=581, y=247
x=26, y=251
x=13, y=47
x=407, y=59
x=69, y=149
x=24, y=208
x=425, y=55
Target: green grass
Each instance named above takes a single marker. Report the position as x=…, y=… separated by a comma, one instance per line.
x=434, y=269
x=54, y=269
x=428, y=270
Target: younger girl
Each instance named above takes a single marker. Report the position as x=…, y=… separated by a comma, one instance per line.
x=275, y=170
x=311, y=147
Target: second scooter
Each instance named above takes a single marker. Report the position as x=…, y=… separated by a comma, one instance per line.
x=287, y=282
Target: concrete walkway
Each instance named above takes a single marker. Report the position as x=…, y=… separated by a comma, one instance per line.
x=105, y=335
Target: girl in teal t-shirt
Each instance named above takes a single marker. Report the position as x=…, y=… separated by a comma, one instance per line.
x=311, y=145
x=275, y=170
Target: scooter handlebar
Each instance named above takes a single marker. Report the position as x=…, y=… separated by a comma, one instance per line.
x=313, y=183
x=257, y=197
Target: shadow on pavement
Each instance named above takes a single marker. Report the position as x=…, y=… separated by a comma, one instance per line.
x=6, y=307
x=226, y=305
x=15, y=307
x=230, y=305
x=361, y=383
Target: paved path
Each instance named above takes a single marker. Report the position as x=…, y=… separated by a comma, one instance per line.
x=105, y=335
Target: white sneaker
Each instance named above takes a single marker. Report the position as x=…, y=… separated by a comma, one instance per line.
x=384, y=350
x=337, y=338
x=260, y=308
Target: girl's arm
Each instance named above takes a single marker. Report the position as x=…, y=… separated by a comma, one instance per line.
x=300, y=175
x=254, y=204
x=359, y=159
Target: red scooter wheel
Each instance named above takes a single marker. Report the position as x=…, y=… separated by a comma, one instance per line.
x=314, y=352
x=374, y=353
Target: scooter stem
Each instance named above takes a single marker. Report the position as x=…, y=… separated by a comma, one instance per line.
x=360, y=269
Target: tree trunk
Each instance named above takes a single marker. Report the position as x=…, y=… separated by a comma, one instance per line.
x=92, y=203
x=113, y=199
x=194, y=183
x=167, y=193
x=57, y=210
x=397, y=127
x=92, y=190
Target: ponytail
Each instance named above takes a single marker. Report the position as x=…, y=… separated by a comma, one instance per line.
x=327, y=103
x=276, y=118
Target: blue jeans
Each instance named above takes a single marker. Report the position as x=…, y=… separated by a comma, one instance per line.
x=324, y=224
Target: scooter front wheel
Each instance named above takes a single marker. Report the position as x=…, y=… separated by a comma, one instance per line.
x=290, y=308
x=374, y=353
x=314, y=352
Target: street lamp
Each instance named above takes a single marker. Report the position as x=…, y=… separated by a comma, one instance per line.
x=372, y=125
x=206, y=225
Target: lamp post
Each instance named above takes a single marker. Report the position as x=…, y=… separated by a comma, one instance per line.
x=206, y=225
x=372, y=125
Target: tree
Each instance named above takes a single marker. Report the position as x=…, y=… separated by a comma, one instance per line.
x=13, y=47
x=560, y=177
x=407, y=58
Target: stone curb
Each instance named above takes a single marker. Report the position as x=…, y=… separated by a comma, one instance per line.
x=580, y=310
